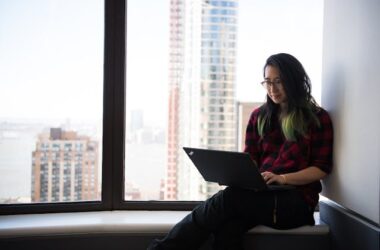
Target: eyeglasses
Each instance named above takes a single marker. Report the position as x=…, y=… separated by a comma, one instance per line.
x=276, y=83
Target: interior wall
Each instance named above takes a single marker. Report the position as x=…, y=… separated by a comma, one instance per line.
x=351, y=94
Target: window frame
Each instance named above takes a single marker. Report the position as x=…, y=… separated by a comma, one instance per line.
x=114, y=95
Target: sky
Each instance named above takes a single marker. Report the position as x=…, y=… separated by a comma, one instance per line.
x=264, y=28
x=51, y=54
x=51, y=63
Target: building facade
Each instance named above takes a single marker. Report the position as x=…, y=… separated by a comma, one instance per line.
x=64, y=167
x=169, y=187
x=202, y=109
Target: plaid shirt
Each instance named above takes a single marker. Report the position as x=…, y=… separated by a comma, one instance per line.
x=275, y=154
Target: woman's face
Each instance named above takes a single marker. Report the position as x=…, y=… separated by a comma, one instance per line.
x=274, y=86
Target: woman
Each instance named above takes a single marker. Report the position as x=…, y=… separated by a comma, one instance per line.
x=290, y=137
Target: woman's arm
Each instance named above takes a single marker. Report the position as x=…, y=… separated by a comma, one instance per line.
x=302, y=177
x=320, y=158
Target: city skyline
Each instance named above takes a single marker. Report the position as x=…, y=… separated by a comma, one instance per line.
x=18, y=140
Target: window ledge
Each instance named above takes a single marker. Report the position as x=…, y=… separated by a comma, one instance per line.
x=121, y=222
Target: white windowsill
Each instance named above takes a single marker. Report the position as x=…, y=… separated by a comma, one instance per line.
x=124, y=222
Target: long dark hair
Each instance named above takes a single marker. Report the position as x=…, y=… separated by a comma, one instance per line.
x=301, y=105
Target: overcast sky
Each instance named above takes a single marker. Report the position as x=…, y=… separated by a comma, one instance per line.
x=51, y=54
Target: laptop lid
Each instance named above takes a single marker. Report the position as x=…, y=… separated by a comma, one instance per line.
x=229, y=169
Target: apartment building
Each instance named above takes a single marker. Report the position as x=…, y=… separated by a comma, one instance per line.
x=64, y=167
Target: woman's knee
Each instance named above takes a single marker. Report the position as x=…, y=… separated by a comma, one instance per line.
x=217, y=208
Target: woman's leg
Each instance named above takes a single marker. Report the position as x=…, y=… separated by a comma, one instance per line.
x=249, y=208
x=282, y=210
x=230, y=213
x=184, y=235
x=230, y=235
x=292, y=210
x=212, y=215
x=195, y=228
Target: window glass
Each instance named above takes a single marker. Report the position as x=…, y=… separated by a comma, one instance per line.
x=193, y=73
x=51, y=99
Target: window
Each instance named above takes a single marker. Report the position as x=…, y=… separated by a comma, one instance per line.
x=51, y=134
x=185, y=80
x=51, y=76
x=165, y=102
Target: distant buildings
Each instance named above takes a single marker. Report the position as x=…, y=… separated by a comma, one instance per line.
x=65, y=167
x=244, y=114
x=131, y=192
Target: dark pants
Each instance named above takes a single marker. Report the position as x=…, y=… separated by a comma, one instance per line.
x=230, y=213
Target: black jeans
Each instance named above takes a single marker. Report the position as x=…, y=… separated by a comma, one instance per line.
x=230, y=213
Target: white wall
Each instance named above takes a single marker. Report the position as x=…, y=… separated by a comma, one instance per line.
x=351, y=93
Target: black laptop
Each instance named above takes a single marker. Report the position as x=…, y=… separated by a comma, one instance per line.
x=235, y=169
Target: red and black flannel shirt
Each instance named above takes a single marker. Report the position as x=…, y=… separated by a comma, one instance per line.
x=275, y=154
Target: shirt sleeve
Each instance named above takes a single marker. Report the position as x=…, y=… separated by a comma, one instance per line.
x=252, y=137
x=321, y=154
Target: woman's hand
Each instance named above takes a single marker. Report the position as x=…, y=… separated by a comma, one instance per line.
x=270, y=178
x=302, y=177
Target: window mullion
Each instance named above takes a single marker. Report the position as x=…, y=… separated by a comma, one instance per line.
x=114, y=104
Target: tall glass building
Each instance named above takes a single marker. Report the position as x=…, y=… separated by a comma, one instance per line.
x=202, y=108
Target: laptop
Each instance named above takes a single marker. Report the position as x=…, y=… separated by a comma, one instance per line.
x=235, y=169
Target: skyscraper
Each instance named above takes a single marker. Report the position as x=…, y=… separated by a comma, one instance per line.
x=64, y=167
x=202, y=88
x=176, y=57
